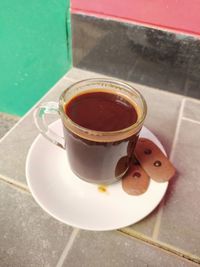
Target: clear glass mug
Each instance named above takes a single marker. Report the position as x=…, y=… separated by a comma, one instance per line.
x=94, y=156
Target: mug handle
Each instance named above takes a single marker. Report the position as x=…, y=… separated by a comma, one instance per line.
x=41, y=111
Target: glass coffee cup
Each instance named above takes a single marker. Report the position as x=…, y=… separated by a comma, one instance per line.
x=101, y=121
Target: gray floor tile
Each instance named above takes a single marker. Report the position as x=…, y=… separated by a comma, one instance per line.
x=108, y=249
x=163, y=110
x=181, y=216
x=146, y=225
x=162, y=115
x=28, y=236
x=7, y=121
x=192, y=109
x=15, y=146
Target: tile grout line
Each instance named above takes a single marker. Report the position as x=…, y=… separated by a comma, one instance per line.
x=180, y=116
x=159, y=244
x=158, y=220
x=16, y=184
x=68, y=247
x=190, y=120
x=157, y=224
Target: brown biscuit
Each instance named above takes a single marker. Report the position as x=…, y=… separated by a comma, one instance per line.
x=136, y=181
x=153, y=161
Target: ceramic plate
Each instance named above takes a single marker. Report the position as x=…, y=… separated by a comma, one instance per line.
x=78, y=203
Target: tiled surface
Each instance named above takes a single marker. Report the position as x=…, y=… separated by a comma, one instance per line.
x=18, y=142
x=192, y=110
x=179, y=220
x=152, y=57
x=114, y=249
x=28, y=236
x=6, y=123
x=181, y=215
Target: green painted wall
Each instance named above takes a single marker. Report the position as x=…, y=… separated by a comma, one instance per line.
x=35, y=50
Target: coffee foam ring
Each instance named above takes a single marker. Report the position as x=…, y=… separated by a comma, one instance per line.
x=153, y=161
x=97, y=136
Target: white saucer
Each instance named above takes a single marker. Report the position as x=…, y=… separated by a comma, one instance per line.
x=80, y=204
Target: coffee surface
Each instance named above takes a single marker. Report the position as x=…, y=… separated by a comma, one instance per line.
x=101, y=111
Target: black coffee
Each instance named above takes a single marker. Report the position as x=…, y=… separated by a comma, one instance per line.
x=100, y=162
x=101, y=111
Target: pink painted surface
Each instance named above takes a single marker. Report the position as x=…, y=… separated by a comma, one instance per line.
x=181, y=15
